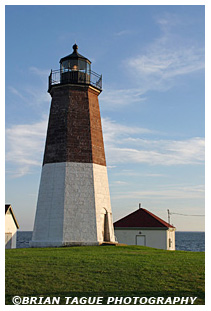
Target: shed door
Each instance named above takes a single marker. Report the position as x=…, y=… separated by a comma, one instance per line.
x=141, y=240
x=8, y=240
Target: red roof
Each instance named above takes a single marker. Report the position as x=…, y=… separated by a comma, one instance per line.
x=8, y=208
x=141, y=219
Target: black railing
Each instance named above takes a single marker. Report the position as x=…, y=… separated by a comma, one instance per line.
x=75, y=77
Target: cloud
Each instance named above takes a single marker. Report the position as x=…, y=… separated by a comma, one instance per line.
x=169, y=21
x=114, y=98
x=24, y=147
x=153, y=175
x=167, y=57
x=122, y=32
x=42, y=73
x=14, y=91
x=120, y=182
x=165, y=192
x=112, y=130
x=123, y=146
x=158, y=65
x=165, y=63
x=186, y=152
x=33, y=94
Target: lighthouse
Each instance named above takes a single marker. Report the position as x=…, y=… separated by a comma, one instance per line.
x=73, y=206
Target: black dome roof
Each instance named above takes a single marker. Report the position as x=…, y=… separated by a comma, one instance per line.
x=75, y=55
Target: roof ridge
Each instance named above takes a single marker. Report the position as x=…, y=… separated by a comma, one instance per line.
x=8, y=207
x=149, y=220
x=128, y=215
x=158, y=218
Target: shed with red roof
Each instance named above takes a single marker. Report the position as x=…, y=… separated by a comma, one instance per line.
x=144, y=228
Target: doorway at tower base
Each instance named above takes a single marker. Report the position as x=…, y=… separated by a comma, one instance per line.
x=73, y=206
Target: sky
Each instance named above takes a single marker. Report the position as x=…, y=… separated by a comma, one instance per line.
x=152, y=59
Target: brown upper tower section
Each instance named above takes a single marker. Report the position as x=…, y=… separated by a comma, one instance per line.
x=74, y=129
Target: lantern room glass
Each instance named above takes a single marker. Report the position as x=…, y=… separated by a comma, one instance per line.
x=75, y=65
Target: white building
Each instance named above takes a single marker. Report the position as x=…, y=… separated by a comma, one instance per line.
x=11, y=226
x=144, y=228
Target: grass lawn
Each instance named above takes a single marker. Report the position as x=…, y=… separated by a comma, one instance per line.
x=105, y=271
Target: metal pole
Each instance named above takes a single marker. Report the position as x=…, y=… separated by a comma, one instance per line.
x=168, y=216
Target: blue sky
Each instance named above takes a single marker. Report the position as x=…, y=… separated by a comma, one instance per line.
x=152, y=104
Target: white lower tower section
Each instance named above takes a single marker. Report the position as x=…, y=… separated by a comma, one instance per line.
x=73, y=206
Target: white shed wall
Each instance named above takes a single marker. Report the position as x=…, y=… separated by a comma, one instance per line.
x=153, y=238
x=171, y=239
x=10, y=227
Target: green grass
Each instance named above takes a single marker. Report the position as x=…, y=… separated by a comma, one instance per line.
x=127, y=271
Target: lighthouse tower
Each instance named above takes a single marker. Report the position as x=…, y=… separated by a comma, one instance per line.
x=73, y=205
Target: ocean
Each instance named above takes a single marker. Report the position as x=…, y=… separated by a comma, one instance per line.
x=190, y=241
x=185, y=241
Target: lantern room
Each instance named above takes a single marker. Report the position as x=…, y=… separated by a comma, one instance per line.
x=75, y=62
x=75, y=69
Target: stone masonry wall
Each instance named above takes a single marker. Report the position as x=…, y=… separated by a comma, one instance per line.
x=74, y=130
x=72, y=201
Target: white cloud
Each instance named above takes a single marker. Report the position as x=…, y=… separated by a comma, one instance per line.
x=110, y=167
x=122, y=32
x=165, y=63
x=123, y=146
x=25, y=146
x=190, y=151
x=120, y=182
x=167, y=57
x=165, y=192
x=42, y=73
x=153, y=175
x=112, y=130
x=157, y=65
x=168, y=21
x=33, y=94
x=113, y=98
x=17, y=93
